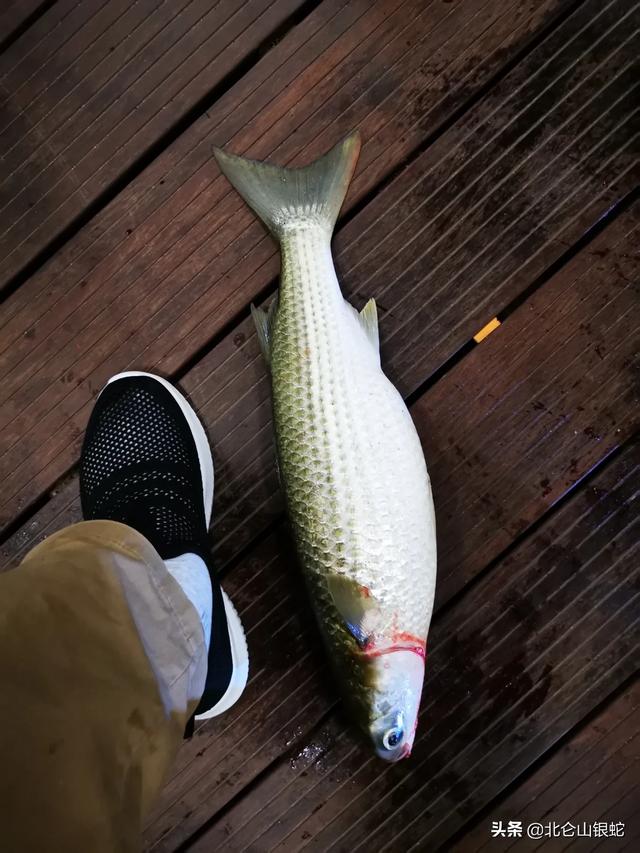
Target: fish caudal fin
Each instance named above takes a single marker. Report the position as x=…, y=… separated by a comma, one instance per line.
x=285, y=197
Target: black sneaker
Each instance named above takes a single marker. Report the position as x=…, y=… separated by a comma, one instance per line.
x=146, y=462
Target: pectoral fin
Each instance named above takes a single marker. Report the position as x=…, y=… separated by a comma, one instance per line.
x=357, y=607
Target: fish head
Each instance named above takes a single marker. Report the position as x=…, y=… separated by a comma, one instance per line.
x=382, y=667
x=398, y=677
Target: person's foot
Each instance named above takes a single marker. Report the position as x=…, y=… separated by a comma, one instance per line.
x=146, y=462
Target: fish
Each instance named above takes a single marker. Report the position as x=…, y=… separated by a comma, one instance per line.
x=350, y=462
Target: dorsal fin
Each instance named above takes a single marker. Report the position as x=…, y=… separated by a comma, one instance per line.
x=369, y=322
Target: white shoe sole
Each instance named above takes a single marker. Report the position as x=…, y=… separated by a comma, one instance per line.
x=237, y=638
x=239, y=658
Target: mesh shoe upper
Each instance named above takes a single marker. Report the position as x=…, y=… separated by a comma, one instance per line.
x=140, y=466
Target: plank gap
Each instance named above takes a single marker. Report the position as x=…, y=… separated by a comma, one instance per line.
x=596, y=470
x=164, y=141
x=485, y=813
x=466, y=105
x=254, y=784
x=393, y=173
x=603, y=222
x=24, y=25
x=615, y=210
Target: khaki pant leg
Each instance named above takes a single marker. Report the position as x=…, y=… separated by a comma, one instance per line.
x=102, y=662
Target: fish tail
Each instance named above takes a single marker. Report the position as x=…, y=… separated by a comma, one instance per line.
x=286, y=197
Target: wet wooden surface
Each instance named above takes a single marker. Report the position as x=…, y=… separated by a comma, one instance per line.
x=498, y=177
x=596, y=769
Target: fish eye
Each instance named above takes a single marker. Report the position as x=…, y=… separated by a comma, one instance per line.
x=392, y=737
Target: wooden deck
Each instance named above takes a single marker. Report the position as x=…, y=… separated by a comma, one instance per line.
x=499, y=178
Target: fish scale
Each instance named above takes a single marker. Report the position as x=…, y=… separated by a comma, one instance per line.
x=333, y=478
x=351, y=465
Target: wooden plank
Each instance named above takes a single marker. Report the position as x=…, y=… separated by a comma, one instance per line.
x=265, y=722
x=552, y=427
x=230, y=389
x=229, y=385
x=91, y=86
x=572, y=783
x=514, y=665
x=194, y=260
x=15, y=15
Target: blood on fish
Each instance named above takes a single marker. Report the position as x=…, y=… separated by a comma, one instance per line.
x=406, y=637
x=402, y=641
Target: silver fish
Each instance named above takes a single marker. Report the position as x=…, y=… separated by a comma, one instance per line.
x=351, y=465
